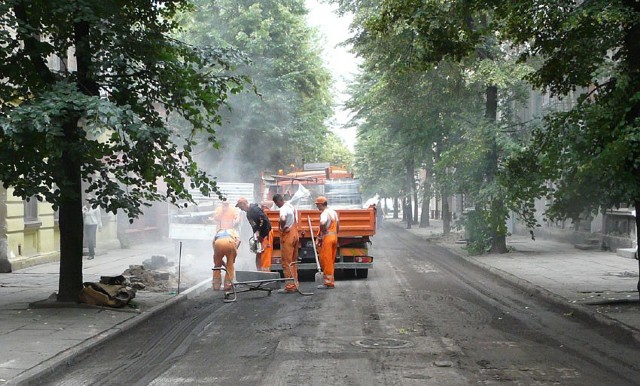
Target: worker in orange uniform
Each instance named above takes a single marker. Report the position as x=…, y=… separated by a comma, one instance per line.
x=262, y=232
x=327, y=241
x=225, y=244
x=289, y=241
x=226, y=217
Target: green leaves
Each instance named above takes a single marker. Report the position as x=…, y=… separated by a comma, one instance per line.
x=288, y=119
x=583, y=156
x=105, y=108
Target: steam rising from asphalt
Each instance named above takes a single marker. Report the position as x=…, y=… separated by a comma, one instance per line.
x=196, y=260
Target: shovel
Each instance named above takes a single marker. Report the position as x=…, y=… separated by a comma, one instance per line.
x=319, y=275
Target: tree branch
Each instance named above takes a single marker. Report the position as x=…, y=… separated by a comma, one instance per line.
x=30, y=45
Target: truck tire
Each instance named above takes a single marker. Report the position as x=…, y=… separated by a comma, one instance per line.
x=362, y=273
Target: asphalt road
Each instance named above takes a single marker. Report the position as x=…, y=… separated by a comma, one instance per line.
x=423, y=317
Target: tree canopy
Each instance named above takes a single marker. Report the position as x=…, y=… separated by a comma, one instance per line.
x=288, y=123
x=583, y=52
x=87, y=88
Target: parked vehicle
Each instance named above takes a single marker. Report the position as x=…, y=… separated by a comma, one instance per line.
x=342, y=190
x=357, y=226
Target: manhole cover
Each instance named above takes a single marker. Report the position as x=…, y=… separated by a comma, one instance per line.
x=382, y=343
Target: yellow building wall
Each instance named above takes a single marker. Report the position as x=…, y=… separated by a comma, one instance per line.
x=15, y=225
x=39, y=242
x=30, y=244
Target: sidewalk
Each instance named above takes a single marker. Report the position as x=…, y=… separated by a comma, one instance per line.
x=598, y=284
x=35, y=339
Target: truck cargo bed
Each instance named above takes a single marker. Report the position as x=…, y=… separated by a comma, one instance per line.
x=353, y=222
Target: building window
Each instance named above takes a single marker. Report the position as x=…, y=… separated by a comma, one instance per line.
x=31, y=213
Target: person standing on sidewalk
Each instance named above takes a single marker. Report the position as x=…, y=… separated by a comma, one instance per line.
x=289, y=241
x=225, y=244
x=262, y=232
x=379, y=214
x=92, y=222
x=327, y=241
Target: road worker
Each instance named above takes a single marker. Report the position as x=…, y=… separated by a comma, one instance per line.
x=226, y=217
x=289, y=241
x=225, y=244
x=262, y=232
x=327, y=241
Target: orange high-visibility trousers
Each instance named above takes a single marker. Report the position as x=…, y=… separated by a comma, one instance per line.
x=327, y=257
x=263, y=259
x=224, y=247
x=289, y=250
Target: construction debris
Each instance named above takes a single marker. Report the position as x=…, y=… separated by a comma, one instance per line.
x=157, y=274
x=111, y=291
x=157, y=262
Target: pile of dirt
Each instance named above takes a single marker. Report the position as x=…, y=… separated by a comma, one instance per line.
x=156, y=275
x=150, y=279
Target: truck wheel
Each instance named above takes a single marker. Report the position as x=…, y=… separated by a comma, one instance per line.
x=362, y=273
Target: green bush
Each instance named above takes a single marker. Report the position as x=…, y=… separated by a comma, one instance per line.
x=478, y=232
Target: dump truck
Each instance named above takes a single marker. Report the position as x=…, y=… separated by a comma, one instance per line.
x=342, y=190
x=357, y=226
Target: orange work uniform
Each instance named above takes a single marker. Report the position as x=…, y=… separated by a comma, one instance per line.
x=266, y=254
x=289, y=241
x=329, y=248
x=225, y=244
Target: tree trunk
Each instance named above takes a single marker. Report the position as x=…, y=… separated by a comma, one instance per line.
x=396, y=208
x=416, y=208
x=446, y=216
x=407, y=211
x=403, y=203
x=410, y=188
x=70, y=220
x=498, y=227
x=70, y=184
x=426, y=198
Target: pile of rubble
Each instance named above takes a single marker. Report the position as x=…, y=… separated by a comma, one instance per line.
x=154, y=275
